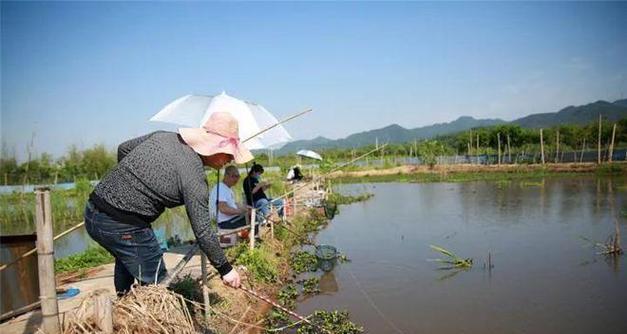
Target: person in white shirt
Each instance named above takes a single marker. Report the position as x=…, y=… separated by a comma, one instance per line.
x=231, y=214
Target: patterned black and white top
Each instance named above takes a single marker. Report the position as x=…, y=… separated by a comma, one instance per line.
x=159, y=171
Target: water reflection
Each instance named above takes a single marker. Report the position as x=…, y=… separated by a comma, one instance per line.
x=328, y=284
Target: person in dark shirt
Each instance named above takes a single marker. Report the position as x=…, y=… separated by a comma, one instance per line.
x=254, y=191
x=157, y=171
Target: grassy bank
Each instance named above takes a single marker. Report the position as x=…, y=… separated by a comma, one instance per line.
x=92, y=257
x=465, y=173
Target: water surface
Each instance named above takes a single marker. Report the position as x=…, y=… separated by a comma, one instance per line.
x=545, y=279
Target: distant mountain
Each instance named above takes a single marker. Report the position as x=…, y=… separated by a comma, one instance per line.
x=397, y=134
x=622, y=102
x=576, y=115
x=390, y=134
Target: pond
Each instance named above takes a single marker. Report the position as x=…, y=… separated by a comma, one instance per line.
x=545, y=278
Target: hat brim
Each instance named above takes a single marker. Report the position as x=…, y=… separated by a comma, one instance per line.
x=207, y=144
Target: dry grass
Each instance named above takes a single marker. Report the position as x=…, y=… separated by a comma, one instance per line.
x=148, y=309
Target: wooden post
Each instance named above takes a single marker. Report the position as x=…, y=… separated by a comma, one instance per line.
x=583, y=148
x=271, y=222
x=205, y=288
x=609, y=158
x=6, y=179
x=557, y=146
x=542, y=146
x=103, y=314
x=477, y=148
x=509, y=151
x=498, y=137
x=468, y=151
x=251, y=234
x=45, y=262
x=599, y=143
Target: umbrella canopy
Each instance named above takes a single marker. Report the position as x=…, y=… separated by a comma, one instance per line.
x=194, y=110
x=309, y=154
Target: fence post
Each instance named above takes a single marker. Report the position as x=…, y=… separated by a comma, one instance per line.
x=477, y=148
x=509, y=151
x=251, y=234
x=542, y=146
x=583, y=148
x=103, y=314
x=557, y=146
x=45, y=261
x=498, y=136
x=609, y=158
x=599, y=143
x=205, y=288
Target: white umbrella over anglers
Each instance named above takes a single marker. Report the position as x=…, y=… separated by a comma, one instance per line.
x=309, y=154
x=194, y=110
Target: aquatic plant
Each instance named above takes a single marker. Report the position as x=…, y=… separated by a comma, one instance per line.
x=611, y=246
x=287, y=296
x=303, y=261
x=311, y=286
x=453, y=260
x=336, y=322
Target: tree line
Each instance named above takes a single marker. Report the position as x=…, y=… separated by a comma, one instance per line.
x=94, y=162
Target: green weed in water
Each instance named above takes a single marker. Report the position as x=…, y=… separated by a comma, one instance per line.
x=336, y=322
x=452, y=260
x=311, y=286
x=287, y=296
x=303, y=261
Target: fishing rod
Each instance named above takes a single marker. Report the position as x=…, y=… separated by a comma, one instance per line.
x=294, y=314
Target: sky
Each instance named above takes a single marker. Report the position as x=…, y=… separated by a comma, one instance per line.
x=86, y=73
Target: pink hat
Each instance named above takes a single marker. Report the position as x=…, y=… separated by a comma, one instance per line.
x=219, y=134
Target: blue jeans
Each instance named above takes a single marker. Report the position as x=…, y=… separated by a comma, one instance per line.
x=136, y=249
x=263, y=205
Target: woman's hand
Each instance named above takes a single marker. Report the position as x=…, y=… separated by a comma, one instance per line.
x=232, y=279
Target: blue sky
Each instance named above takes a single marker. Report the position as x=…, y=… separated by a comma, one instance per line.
x=87, y=73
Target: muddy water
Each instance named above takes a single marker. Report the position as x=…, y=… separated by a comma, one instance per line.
x=545, y=279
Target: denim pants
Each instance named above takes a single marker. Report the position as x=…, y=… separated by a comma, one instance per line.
x=136, y=250
x=263, y=205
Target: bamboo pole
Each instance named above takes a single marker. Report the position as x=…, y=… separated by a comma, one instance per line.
x=509, y=151
x=271, y=222
x=542, y=146
x=583, y=149
x=205, y=288
x=477, y=148
x=609, y=159
x=599, y=143
x=103, y=314
x=498, y=136
x=557, y=146
x=470, y=143
x=45, y=261
x=251, y=234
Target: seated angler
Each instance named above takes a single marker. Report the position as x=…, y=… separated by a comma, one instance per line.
x=231, y=215
x=254, y=191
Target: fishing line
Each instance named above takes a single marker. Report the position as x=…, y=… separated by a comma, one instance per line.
x=372, y=303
